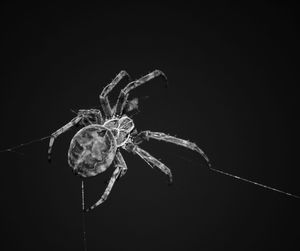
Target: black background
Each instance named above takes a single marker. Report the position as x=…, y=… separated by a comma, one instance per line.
x=232, y=73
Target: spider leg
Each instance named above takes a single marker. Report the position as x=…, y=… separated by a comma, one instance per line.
x=145, y=135
x=119, y=161
x=61, y=130
x=122, y=99
x=120, y=170
x=103, y=96
x=151, y=161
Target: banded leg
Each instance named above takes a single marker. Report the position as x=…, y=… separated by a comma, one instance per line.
x=164, y=137
x=119, y=161
x=103, y=96
x=61, y=130
x=90, y=116
x=119, y=171
x=151, y=161
x=122, y=99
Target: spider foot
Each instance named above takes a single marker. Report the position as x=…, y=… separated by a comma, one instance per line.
x=86, y=210
x=125, y=73
x=170, y=183
x=159, y=72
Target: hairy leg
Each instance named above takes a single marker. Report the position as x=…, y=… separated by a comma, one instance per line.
x=161, y=136
x=122, y=99
x=145, y=135
x=119, y=171
x=151, y=161
x=107, y=89
x=119, y=161
x=91, y=116
x=61, y=130
x=103, y=96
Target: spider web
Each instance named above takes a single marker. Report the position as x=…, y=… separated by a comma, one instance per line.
x=84, y=232
x=193, y=162
x=12, y=149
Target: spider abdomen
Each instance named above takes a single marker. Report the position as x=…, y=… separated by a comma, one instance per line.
x=92, y=150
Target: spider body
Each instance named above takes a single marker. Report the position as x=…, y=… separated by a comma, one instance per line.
x=97, y=145
x=92, y=150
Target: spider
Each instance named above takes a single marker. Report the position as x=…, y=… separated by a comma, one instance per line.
x=96, y=146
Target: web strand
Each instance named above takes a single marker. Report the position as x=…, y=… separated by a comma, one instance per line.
x=12, y=149
x=83, y=217
x=255, y=183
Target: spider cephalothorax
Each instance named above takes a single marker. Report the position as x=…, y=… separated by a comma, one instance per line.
x=97, y=145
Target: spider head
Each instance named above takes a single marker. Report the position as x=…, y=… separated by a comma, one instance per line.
x=126, y=124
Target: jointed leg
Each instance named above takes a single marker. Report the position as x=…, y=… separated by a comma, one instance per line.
x=122, y=99
x=103, y=96
x=63, y=129
x=164, y=137
x=152, y=161
x=107, y=89
x=119, y=171
x=91, y=116
x=119, y=161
